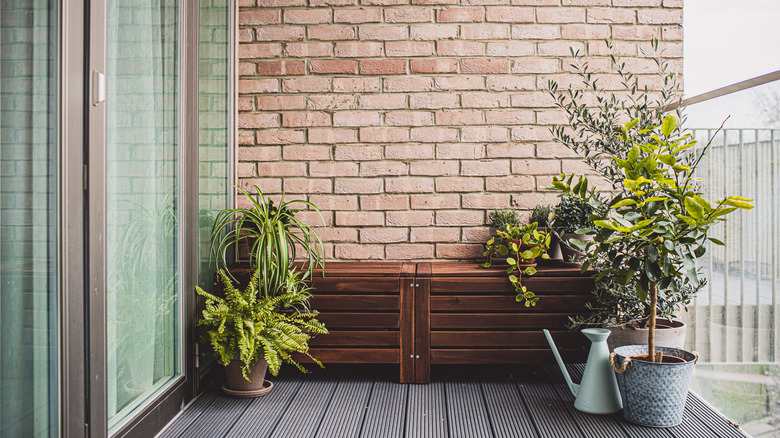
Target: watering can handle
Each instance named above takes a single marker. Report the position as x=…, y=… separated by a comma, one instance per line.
x=625, y=365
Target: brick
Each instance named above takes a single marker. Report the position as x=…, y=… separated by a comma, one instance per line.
x=611, y=15
x=382, y=33
x=658, y=16
x=356, y=118
x=510, y=150
x=246, y=170
x=355, y=85
x=460, y=251
x=247, y=69
x=279, y=33
x=358, y=50
x=551, y=118
x=248, y=18
x=275, y=136
x=533, y=100
x=587, y=2
x=434, y=32
x=409, y=152
x=246, y=137
x=267, y=185
x=306, y=16
x=621, y=48
x=437, y=65
x=333, y=168
x=536, y=167
x=459, y=151
x=437, y=234
x=281, y=68
x=536, y=65
x=510, y=15
x=433, y=135
x=408, y=84
x=409, y=218
x=477, y=235
x=536, y=32
x=585, y=31
x=459, y=184
x=408, y=15
x=531, y=133
x=383, y=168
x=305, y=85
x=306, y=152
x=460, y=15
x=409, y=252
x=384, y=2
x=484, y=168
x=338, y=234
x=460, y=217
x=359, y=252
x=510, y=48
x=245, y=104
x=486, y=201
x=357, y=15
x=307, y=185
x=528, y=201
x=454, y=83
x=382, y=101
x=477, y=66
x=357, y=153
x=359, y=218
x=334, y=202
x=559, y=48
x=435, y=201
x=433, y=101
x=409, y=118
x=384, y=202
x=258, y=120
x=509, y=183
x=484, y=134
x=259, y=50
x=673, y=3
x=331, y=33
x=382, y=235
x=485, y=31
x=281, y=169
x=332, y=66
x=331, y=102
x=260, y=153
x=460, y=48
x=434, y=168
x=246, y=35
x=280, y=3
x=325, y=135
x=560, y=15
x=464, y=117
x=306, y=50
x=358, y=185
x=554, y=150
x=384, y=135
x=409, y=185
x=383, y=67
x=484, y=100
x=635, y=3
x=408, y=48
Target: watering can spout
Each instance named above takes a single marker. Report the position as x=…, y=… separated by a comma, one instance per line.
x=573, y=387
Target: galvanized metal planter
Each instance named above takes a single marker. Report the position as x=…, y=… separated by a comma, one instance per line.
x=653, y=394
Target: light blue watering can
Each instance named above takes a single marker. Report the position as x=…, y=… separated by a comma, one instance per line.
x=598, y=392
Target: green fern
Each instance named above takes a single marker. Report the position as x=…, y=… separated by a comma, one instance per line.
x=250, y=324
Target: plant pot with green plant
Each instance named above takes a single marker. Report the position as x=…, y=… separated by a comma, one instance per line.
x=502, y=220
x=569, y=218
x=541, y=215
x=647, y=232
x=270, y=319
x=519, y=247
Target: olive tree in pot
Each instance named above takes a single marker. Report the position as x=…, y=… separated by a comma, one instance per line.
x=648, y=230
x=569, y=218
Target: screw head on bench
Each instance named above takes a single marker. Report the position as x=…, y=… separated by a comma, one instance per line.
x=417, y=285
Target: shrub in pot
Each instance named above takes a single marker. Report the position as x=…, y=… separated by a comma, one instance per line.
x=541, y=215
x=648, y=232
x=569, y=218
x=502, y=220
x=519, y=246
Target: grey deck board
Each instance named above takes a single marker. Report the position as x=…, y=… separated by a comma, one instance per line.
x=386, y=413
x=427, y=411
x=470, y=402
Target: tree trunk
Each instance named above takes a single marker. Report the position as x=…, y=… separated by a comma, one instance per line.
x=651, y=326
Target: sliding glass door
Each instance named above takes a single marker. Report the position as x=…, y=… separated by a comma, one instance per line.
x=28, y=219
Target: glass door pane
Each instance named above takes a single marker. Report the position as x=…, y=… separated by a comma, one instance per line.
x=142, y=203
x=28, y=219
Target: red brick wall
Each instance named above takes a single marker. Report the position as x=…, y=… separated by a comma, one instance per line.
x=406, y=123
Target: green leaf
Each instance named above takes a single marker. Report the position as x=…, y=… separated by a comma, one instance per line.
x=669, y=160
x=633, y=154
x=738, y=204
x=716, y=241
x=669, y=125
x=693, y=208
x=624, y=203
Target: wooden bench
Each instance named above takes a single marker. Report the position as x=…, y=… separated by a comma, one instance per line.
x=418, y=314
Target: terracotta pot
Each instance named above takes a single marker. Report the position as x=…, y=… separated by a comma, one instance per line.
x=667, y=334
x=236, y=380
x=570, y=253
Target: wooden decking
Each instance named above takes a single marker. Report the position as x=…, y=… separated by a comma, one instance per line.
x=460, y=402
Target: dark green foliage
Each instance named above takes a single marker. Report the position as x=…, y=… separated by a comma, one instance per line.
x=541, y=215
x=503, y=218
x=571, y=214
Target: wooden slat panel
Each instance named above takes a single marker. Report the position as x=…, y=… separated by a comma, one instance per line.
x=351, y=355
x=361, y=269
x=355, y=285
x=507, y=303
x=422, y=328
x=498, y=321
x=369, y=303
x=490, y=356
x=508, y=339
x=501, y=285
x=407, y=330
x=370, y=338
x=334, y=320
x=472, y=269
